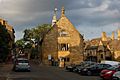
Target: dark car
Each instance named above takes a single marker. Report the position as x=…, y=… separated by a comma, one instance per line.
x=94, y=69
x=79, y=68
x=72, y=67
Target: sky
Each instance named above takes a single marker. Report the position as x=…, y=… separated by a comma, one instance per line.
x=90, y=17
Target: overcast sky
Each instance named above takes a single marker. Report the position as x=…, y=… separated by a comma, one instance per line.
x=90, y=17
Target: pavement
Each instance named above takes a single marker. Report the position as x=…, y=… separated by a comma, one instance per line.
x=5, y=68
x=40, y=72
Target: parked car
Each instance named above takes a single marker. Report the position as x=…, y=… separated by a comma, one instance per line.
x=72, y=67
x=21, y=64
x=79, y=68
x=116, y=76
x=94, y=69
x=110, y=62
x=108, y=73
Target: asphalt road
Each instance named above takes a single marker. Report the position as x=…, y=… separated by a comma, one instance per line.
x=41, y=72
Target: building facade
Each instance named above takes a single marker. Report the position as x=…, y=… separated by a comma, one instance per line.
x=62, y=41
x=10, y=30
x=9, y=38
x=104, y=48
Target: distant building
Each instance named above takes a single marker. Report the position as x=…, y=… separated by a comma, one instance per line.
x=104, y=48
x=62, y=41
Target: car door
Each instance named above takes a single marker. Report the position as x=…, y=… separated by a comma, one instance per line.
x=99, y=68
x=105, y=66
x=93, y=69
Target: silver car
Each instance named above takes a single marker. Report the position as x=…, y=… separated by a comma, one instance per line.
x=21, y=64
x=116, y=76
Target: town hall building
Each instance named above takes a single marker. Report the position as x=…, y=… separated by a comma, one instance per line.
x=62, y=41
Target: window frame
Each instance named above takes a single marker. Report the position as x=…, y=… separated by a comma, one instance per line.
x=63, y=47
x=63, y=33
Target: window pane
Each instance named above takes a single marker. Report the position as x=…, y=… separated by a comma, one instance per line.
x=63, y=47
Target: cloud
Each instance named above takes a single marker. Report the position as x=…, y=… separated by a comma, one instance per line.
x=88, y=14
x=104, y=6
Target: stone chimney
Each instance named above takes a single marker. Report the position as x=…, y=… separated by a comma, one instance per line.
x=118, y=34
x=113, y=35
x=104, y=37
x=63, y=12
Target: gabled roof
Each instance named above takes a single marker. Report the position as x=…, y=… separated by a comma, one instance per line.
x=63, y=21
x=114, y=44
x=91, y=47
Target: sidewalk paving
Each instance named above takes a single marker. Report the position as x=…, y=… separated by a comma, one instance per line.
x=3, y=78
x=5, y=69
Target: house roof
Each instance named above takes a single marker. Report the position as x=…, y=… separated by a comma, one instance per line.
x=91, y=47
x=114, y=44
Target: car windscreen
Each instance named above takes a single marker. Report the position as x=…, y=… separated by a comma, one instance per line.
x=87, y=65
x=111, y=68
x=23, y=61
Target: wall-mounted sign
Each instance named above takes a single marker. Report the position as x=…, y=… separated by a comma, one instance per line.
x=49, y=57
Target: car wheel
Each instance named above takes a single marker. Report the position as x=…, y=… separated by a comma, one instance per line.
x=29, y=70
x=71, y=70
x=15, y=70
x=74, y=70
x=89, y=73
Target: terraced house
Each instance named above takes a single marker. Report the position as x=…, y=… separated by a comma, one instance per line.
x=103, y=48
x=63, y=41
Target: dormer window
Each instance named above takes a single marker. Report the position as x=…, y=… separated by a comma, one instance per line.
x=63, y=33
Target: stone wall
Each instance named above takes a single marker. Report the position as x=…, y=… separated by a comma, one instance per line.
x=53, y=39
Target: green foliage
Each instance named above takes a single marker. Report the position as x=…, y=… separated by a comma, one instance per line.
x=20, y=43
x=27, y=34
x=36, y=33
x=34, y=36
x=28, y=45
x=4, y=40
x=4, y=35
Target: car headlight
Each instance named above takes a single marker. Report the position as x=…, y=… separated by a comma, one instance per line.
x=69, y=67
x=114, y=75
x=79, y=69
x=109, y=72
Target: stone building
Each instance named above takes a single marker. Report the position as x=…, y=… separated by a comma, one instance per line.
x=10, y=30
x=9, y=39
x=62, y=41
x=104, y=48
